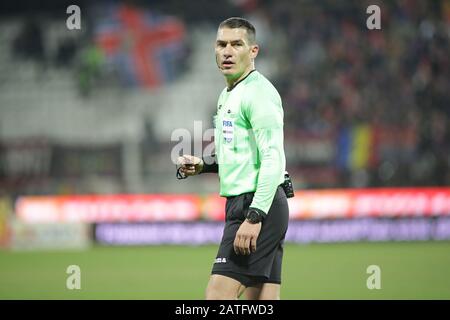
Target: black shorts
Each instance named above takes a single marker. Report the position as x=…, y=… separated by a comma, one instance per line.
x=263, y=265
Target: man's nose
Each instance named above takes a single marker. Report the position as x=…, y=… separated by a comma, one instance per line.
x=227, y=51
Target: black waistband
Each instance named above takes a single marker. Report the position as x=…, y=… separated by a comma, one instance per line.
x=252, y=192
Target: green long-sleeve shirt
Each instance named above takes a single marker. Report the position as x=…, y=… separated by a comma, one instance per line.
x=249, y=140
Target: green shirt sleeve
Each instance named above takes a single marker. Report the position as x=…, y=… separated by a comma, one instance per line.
x=264, y=112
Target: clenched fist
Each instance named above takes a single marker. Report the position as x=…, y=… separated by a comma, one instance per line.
x=190, y=165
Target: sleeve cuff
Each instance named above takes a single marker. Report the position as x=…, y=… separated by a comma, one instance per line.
x=210, y=165
x=262, y=213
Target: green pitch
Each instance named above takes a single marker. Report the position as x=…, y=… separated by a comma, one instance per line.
x=317, y=271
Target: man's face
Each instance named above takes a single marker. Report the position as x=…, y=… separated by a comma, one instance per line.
x=234, y=53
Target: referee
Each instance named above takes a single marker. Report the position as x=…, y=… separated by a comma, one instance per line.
x=251, y=163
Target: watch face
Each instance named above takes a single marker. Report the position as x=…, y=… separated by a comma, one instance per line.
x=253, y=217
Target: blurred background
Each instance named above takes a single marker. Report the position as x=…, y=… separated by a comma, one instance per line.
x=88, y=118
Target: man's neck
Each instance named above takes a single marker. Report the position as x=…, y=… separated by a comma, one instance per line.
x=232, y=81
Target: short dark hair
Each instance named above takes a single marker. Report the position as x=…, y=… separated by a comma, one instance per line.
x=236, y=22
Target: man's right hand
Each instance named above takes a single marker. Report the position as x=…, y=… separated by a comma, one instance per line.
x=190, y=165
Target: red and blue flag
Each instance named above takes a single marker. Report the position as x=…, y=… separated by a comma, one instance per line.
x=147, y=49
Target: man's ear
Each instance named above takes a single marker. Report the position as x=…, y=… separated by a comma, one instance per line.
x=254, y=51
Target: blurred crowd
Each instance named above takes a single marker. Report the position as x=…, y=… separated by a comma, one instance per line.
x=338, y=75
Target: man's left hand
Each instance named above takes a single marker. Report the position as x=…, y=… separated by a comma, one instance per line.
x=246, y=236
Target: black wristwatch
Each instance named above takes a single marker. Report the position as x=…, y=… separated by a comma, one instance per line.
x=255, y=215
